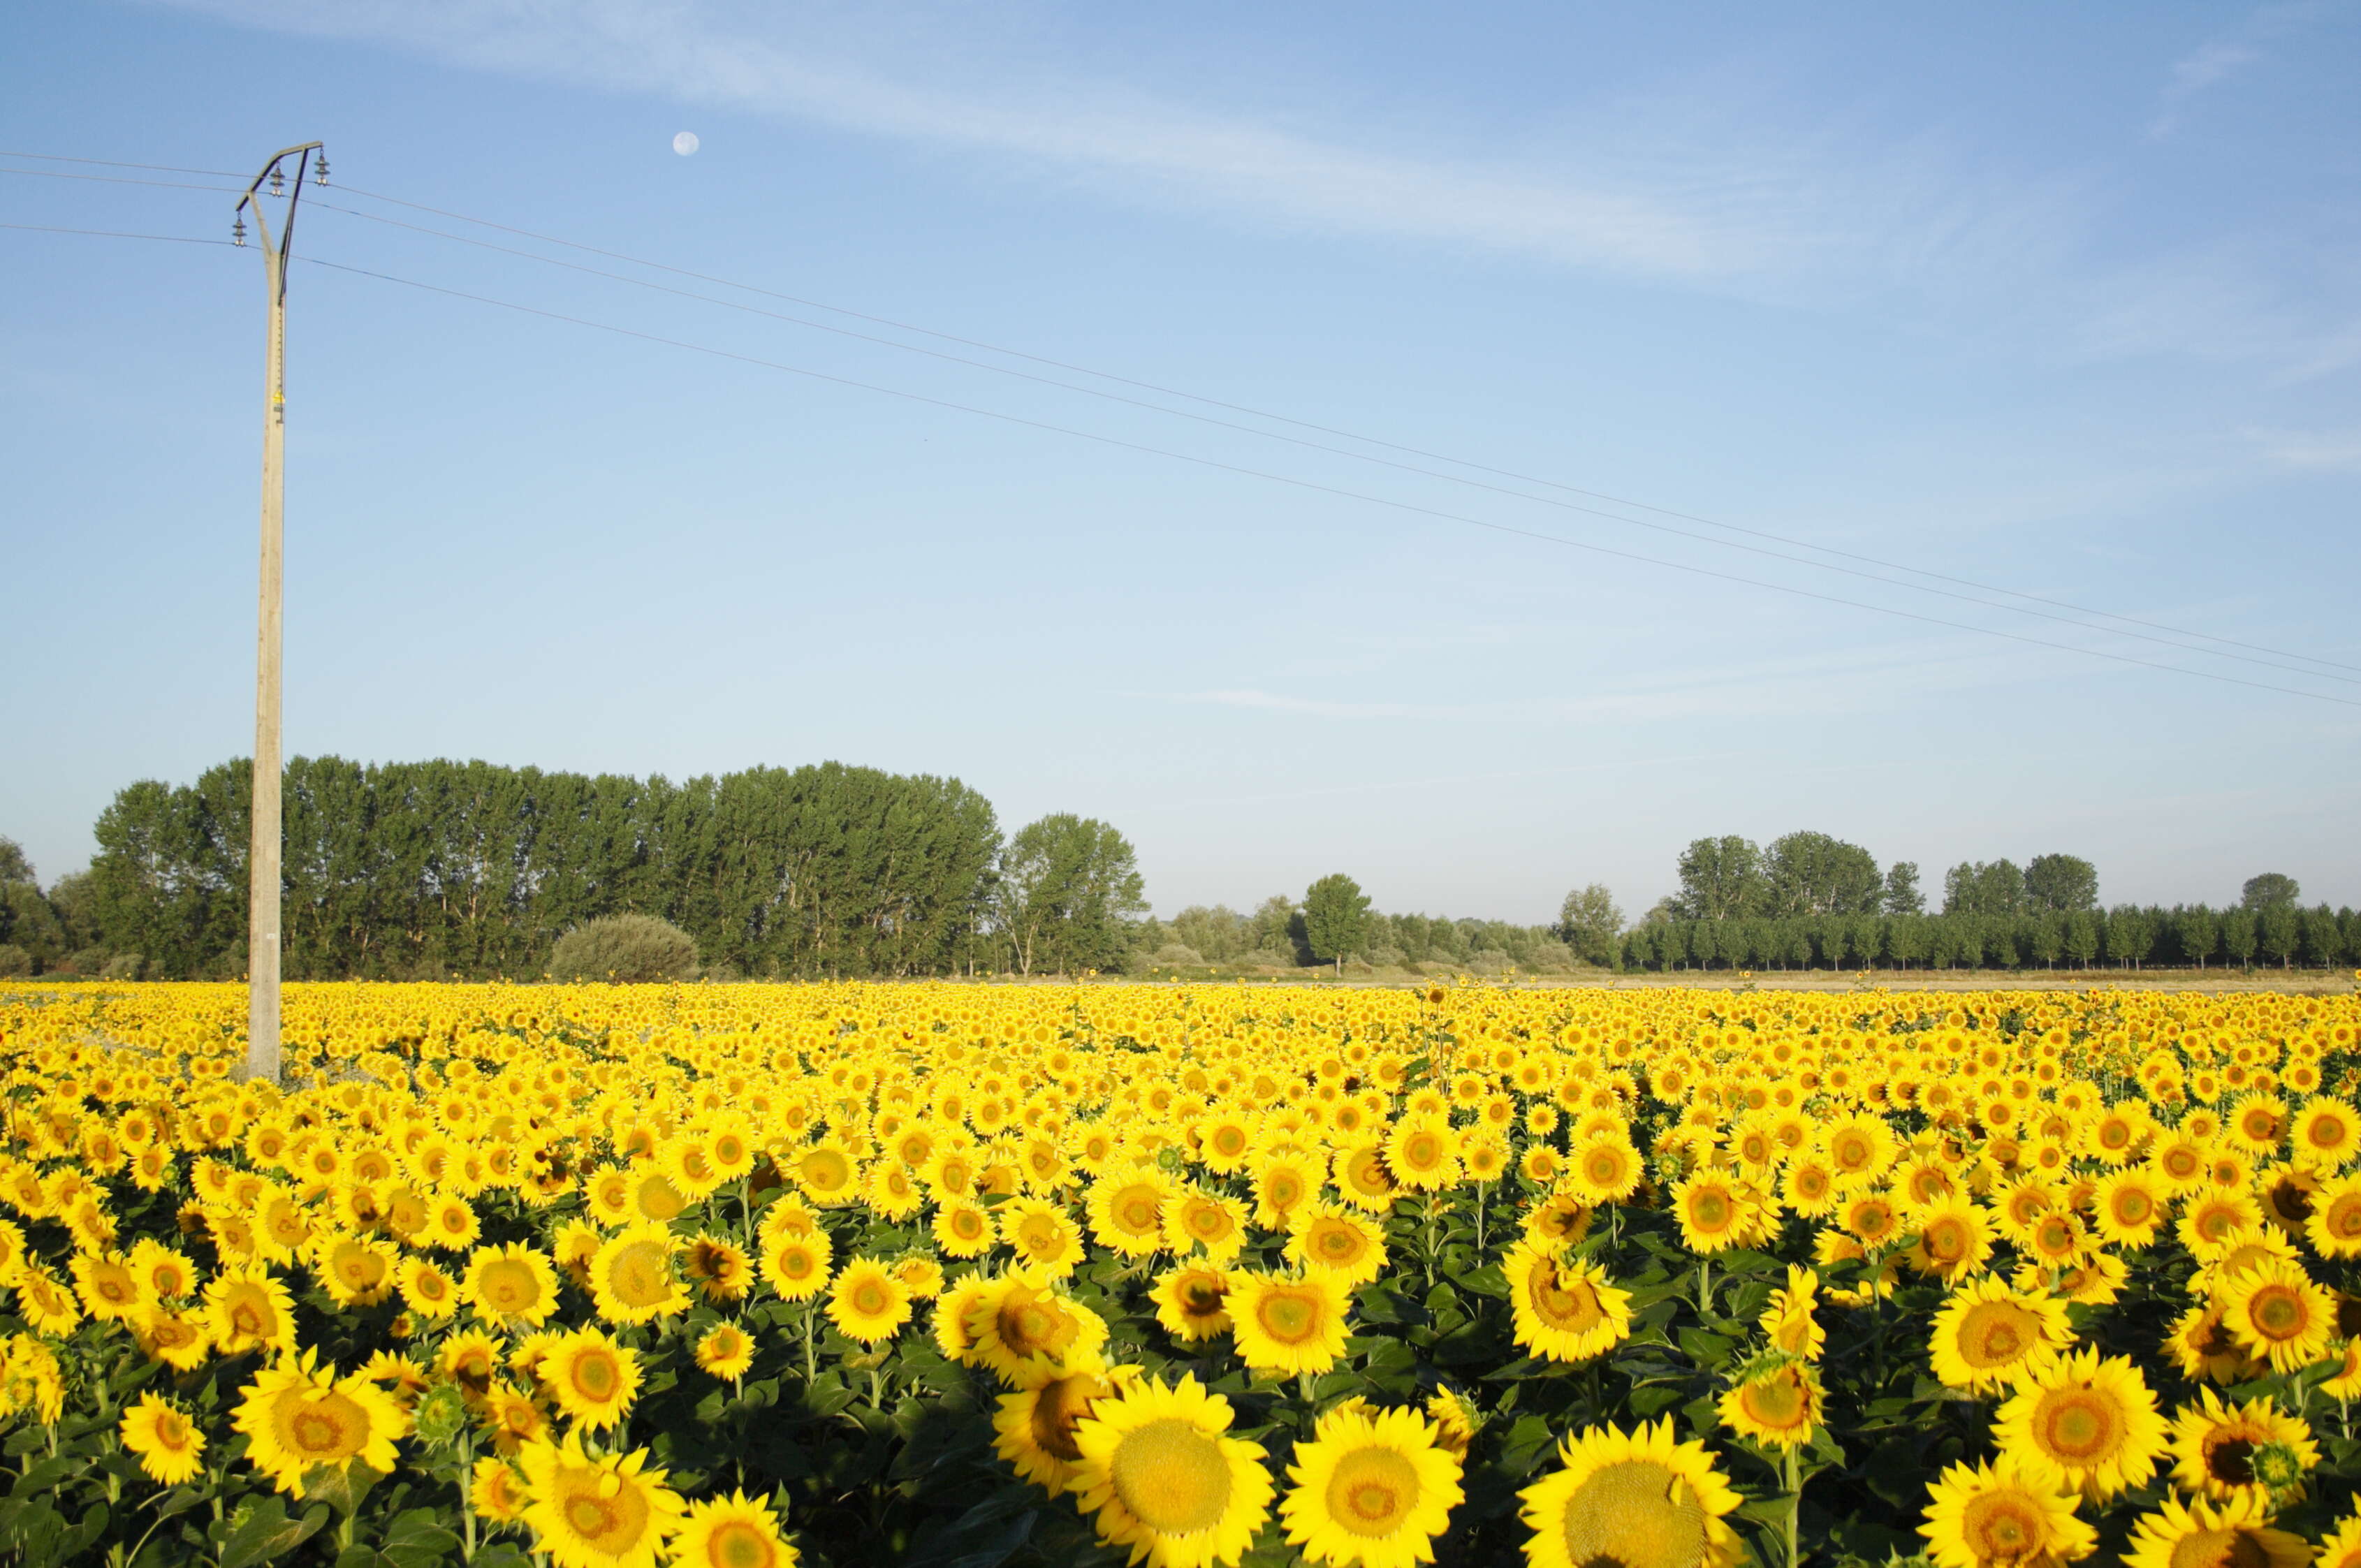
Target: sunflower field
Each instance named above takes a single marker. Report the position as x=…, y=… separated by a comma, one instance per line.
x=960, y=1276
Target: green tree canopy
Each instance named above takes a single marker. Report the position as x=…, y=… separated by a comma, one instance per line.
x=1335, y=918
x=1720, y=878
x=1589, y=923
x=14, y=866
x=1902, y=894
x=1814, y=873
x=2272, y=889
x=1069, y=887
x=2061, y=883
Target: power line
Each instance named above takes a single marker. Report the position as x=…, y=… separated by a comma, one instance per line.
x=1333, y=451
x=1353, y=435
x=1309, y=484
x=117, y=180
x=118, y=233
x=1300, y=423
x=116, y=163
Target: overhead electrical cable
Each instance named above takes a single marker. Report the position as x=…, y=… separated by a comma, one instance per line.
x=1347, y=434
x=1306, y=484
x=1321, y=447
x=119, y=233
x=1254, y=412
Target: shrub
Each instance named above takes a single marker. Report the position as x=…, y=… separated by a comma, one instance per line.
x=627, y=948
x=1488, y=962
x=123, y=966
x=87, y=960
x=1175, y=953
x=15, y=961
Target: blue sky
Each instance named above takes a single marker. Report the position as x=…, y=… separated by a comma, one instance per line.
x=2059, y=301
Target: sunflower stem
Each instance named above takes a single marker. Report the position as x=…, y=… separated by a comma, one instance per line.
x=1795, y=1510
x=1705, y=1285
x=467, y=1498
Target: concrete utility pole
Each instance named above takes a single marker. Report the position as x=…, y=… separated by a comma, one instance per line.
x=262, y=857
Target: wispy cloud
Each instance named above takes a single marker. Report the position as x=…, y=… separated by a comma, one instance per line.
x=2321, y=451
x=1674, y=186
x=2219, y=58
x=1714, y=182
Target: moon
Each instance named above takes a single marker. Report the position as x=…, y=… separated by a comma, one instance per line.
x=684, y=143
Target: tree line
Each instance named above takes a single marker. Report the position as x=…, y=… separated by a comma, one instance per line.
x=426, y=869
x=1810, y=901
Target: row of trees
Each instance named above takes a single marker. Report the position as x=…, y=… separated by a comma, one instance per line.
x=2127, y=936
x=429, y=869
x=1333, y=924
x=1807, y=873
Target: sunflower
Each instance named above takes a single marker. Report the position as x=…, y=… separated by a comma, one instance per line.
x=510, y=1418
x=426, y=1289
x=1286, y=1325
x=1371, y=1489
x=110, y=1290
x=2127, y=1206
x=2335, y=1226
x=1563, y=1309
x=1034, y=1427
x=355, y=1271
x=1987, y=1336
x=1192, y=1302
x=593, y=1379
x=1713, y=1212
x=1421, y=1153
x=2327, y=1134
x=1127, y=1211
x=2201, y=1345
x=1637, y=1501
x=1360, y=1175
x=720, y=1269
x=178, y=1339
x=1777, y=1403
x=1954, y=1239
x=603, y=1512
x=2085, y=1422
x=171, y=1446
x=2215, y=1446
x=735, y=1532
x=510, y=1285
x=797, y=1266
x=1158, y=1466
x=469, y=1359
x=1455, y=1420
x=726, y=1351
x=2002, y=1516
x=1023, y=1317
x=963, y=1227
x=631, y=1278
x=1043, y=1234
x=2201, y=1534
x=248, y=1309
x=2343, y=1548
x=2278, y=1314
x=496, y=1490
x=49, y=1307
x=956, y=1317
x=298, y=1419
x=1787, y=1320
x=1195, y=1218
x=1326, y=1234
x=867, y=1303
x=1605, y=1169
